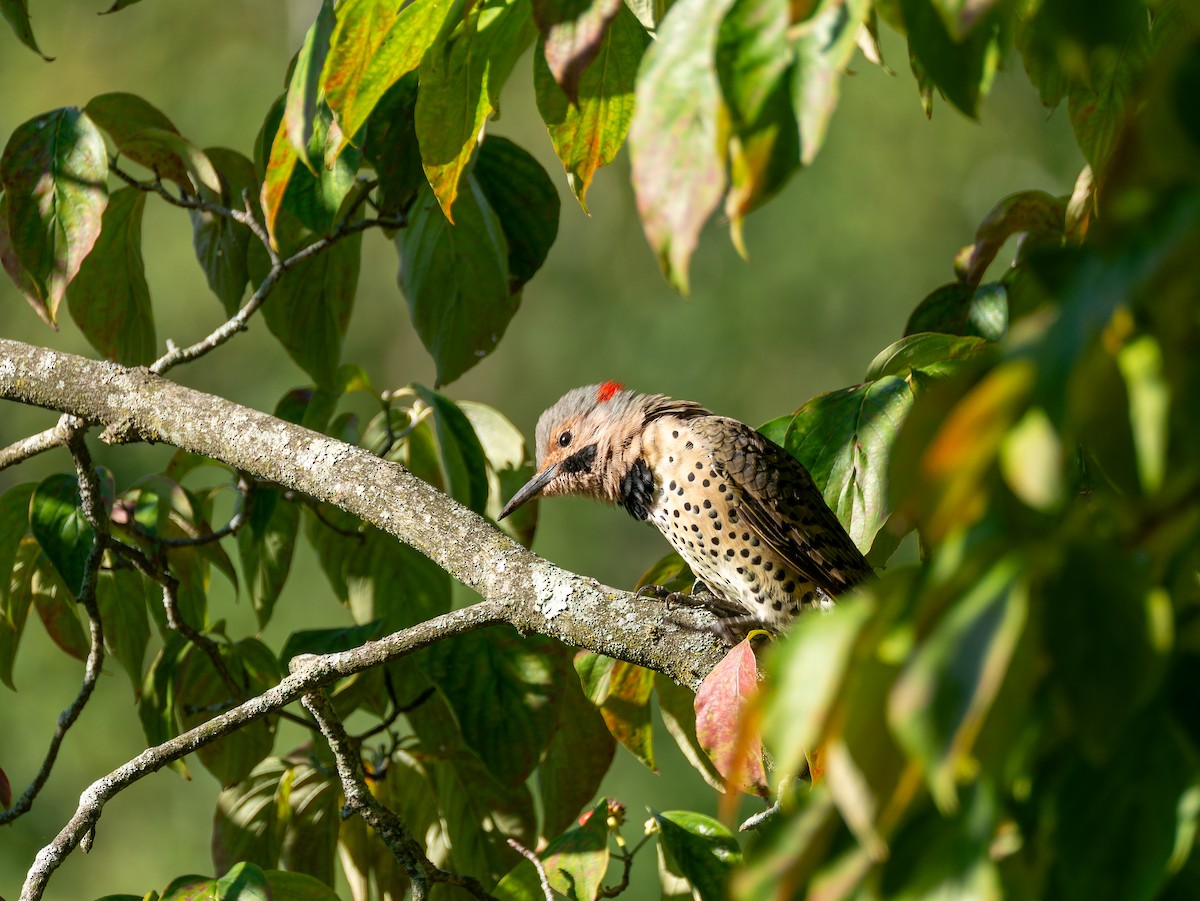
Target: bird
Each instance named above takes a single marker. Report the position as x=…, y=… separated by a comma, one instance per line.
x=742, y=512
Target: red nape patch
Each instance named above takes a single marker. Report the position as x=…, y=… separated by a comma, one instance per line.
x=607, y=390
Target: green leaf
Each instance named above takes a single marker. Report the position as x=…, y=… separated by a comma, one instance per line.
x=58, y=523
x=461, y=76
x=16, y=14
x=508, y=469
x=506, y=691
x=671, y=572
x=823, y=46
x=963, y=71
x=247, y=823
x=807, y=671
x=677, y=706
x=310, y=309
x=122, y=596
x=266, y=543
x=201, y=691
x=572, y=32
x=1035, y=215
x=244, y=882
x=704, y=851
x=124, y=117
x=960, y=309
x=961, y=16
x=1141, y=365
x=479, y=812
x=574, y=862
x=53, y=172
x=525, y=201
x=157, y=709
x=455, y=278
x=753, y=63
x=843, y=438
x=928, y=353
x=1136, y=815
x=391, y=147
x=1103, y=590
x=587, y=134
x=676, y=141
x=374, y=44
x=109, y=298
x=377, y=577
x=221, y=244
x=463, y=459
x=327, y=641
x=721, y=703
x=300, y=108
x=941, y=699
x=37, y=583
x=202, y=177
x=576, y=761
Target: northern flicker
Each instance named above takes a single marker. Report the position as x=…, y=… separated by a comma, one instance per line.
x=743, y=513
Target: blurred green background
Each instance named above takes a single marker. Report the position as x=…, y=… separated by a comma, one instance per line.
x=836, y=264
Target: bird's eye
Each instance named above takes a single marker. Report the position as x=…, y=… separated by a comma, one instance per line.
x=564, y=439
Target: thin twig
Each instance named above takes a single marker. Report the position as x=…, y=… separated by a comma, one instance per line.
x=93, y=508
x=22, y=450
x=537, y=865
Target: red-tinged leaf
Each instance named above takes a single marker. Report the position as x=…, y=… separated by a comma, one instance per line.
x=942, y=485
x=823, y=46
x=574, y=862
x=17, y=601
x=53, y=172
x=310, y=309
x=58, y=523
x=12, y=264
x=374, y=44
x=576, y=761
x=461, y=76
x=300, y=108
x=727, y=737
x=281, y=162
x=678, y=708
x=960, y=16
x=753, y=64
x=676, y=139
x=221, y=244
x=203, y=177
x=16, y=14
x=109, y=298
x=455, y=278
x=525, y=201
x=702, y=851
x=451, y=107
x=121, y=596
x=56, y=608
x=587, y=134
x=1038, y=216
x=626, y=710
x=123, y=116
x=572, y=31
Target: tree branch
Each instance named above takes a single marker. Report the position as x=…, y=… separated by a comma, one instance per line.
x=535, y=595
x=316, y=672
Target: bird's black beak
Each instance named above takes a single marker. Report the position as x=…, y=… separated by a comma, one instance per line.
x=530, y=490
